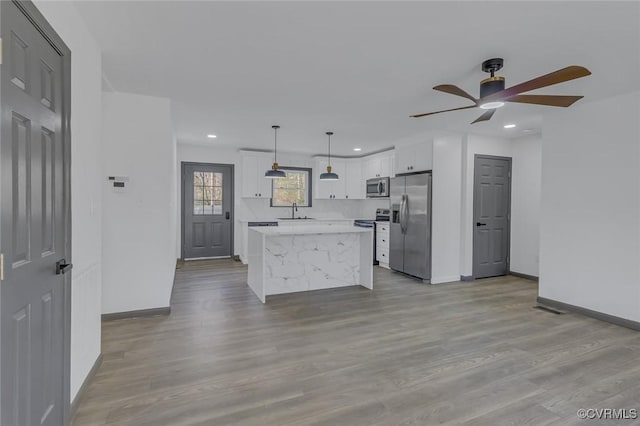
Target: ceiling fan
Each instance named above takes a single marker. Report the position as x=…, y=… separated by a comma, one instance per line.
x=493, y=95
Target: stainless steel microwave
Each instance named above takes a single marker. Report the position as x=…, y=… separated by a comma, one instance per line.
x=378, y=187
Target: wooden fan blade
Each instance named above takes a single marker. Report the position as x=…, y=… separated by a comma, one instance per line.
x=565, y=74
x=484, y=117
x=446, y=110
x=455, y=90
x=550, y=100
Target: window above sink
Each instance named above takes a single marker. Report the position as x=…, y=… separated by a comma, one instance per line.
x=295, y=188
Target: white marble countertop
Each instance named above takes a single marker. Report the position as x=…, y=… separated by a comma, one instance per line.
x=309, y=230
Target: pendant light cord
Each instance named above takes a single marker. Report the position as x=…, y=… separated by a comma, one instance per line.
x=329, y=134
x=275, y=136
x=275, y=143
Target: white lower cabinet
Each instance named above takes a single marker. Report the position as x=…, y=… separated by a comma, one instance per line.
x=382, y=243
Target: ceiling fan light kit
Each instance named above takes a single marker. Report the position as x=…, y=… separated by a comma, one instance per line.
x=491, y=105
x=493, y=94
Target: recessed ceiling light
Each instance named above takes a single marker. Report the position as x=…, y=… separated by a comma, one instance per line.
x=491, y=105
x=357, y=149
x=509, y=126
x=211, y=136
x=528, y=130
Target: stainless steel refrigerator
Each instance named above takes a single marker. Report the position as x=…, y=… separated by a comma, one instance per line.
x=410, y=228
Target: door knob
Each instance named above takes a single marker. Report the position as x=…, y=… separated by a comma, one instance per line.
x=226, y=215
x=480, y=224
x=62, y=267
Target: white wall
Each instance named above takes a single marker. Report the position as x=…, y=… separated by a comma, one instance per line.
x=472, y=145
x=525, y=204
x=446, y=211
x=260, y=209
x=590, y=207
x=86, y=199
x=138, y=223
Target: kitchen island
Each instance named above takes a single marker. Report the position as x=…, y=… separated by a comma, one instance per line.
x=302, y=258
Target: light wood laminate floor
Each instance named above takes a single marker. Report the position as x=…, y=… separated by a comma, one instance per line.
x=403, y=354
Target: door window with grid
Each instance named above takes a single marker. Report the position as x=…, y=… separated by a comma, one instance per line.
x=207, y=193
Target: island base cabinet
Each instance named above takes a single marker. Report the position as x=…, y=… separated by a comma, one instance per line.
x=289, y=263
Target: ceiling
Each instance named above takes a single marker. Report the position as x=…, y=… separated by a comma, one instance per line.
x=356, y=68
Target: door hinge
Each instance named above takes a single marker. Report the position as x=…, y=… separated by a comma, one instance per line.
x=509, y=173
x=0, y=50
x=1, y=267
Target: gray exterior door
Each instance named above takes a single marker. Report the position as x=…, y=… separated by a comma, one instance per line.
x=34, y=231
x=491, y=216
x=207, y=210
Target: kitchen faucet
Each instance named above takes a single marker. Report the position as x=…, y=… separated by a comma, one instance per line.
x=294, y=208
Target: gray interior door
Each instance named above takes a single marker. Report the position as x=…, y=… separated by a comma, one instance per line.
x=207, y=210
x=33, y=231
x=417, y=240
x=491, y=216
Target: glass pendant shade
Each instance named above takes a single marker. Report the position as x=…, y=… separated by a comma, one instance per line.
x=274, y=173
x=329, y=175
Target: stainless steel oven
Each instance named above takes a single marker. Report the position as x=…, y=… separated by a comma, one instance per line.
x=378, y=187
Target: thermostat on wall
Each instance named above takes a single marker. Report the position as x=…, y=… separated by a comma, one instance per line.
x=118, y=182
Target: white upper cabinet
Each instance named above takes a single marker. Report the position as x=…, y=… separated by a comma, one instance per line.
x=378, y=165
x=254, y=184
x=415, y=157
x=371, y=168
x=329, y=189
x=354, y=182
x=386, y=165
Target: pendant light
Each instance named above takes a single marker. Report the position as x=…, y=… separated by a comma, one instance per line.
x=274, y=173
x=329, y=175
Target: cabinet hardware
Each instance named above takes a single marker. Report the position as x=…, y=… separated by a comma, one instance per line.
x=1, y=267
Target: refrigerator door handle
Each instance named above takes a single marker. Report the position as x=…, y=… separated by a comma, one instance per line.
x=403, y=214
